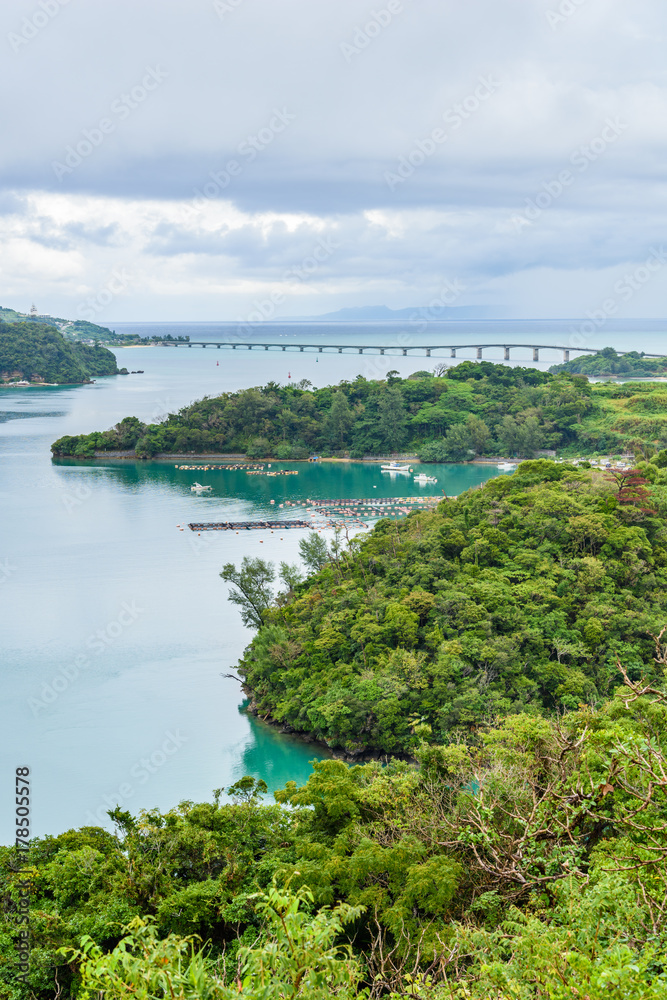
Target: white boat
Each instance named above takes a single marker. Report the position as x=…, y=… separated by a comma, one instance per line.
x=507, y=466
x=198, y=488
x=395, y=467
x=422, y=478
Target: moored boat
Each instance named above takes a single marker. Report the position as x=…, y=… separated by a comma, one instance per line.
x=395, y=467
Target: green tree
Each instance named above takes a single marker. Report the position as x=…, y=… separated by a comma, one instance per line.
x=509, y=436
x=314, y=552
x=251, y=588
x=339, y=420
x=392, y=423
x=530, y=436
x=457, y=443
x=478, y=433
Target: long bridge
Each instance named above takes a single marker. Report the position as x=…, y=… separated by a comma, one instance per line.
x=392, y=349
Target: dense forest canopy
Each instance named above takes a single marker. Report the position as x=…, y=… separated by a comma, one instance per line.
x=608, y=362
x=472, y=409
x=509, y=642
x=528, y=862
x=516, y=597
x=38, y=351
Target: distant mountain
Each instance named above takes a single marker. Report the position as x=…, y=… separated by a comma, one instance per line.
x=384, y=313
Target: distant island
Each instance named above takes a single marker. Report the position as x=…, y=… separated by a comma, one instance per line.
x=33, y=353
x=370, y=314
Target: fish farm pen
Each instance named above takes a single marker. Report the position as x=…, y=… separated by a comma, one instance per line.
x=244, y=466
x=249, y=525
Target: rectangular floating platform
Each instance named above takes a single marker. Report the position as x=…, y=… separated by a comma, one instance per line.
x=249, y=525
x=242, y=466
x=279, y=472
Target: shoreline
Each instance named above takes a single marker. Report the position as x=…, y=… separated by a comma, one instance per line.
x=217, y=457
x=356, y=757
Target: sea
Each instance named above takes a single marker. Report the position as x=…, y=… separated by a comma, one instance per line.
x=119, y=645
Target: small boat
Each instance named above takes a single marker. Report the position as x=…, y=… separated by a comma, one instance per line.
x=395, y=467
x=507, y=466
x=423, y=478
x=198, y=488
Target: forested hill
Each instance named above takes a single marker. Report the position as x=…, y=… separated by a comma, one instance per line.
x=608, y=362
x=516, y=597
x=39, y=352
x=472, y=409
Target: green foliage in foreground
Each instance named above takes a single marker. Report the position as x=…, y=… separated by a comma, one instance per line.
x=516, y=597
x=473, y=409
x=608, y=362
x=528, y=863
x=39, y=351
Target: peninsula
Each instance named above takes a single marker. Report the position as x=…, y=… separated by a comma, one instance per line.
x=35, y=353
x=473, y=409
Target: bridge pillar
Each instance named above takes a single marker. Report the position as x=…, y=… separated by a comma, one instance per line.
x=340, y=350
x=233, y=347
x=319, y=350
x=361, y=350
x=218, y=346
x=536, y=354
x=189, y=345
x=507, y=354
x=405, y=352
x=428, y=352
x=566, y=355
x=453, y=352
x=301, y=348
x=479, y=352
x=283, y=347
x=382, y=350
x=266, y=347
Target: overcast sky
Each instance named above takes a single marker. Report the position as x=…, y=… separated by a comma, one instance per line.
x=212, y=160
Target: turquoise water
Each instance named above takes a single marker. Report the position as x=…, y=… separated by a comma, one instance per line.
x=116, y=631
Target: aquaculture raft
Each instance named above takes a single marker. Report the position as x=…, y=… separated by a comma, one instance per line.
x=242, y=466
x=249, y=525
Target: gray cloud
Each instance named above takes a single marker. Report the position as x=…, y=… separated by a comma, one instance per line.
x=419, y=139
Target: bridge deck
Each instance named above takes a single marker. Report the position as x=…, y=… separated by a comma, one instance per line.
x=394, y=349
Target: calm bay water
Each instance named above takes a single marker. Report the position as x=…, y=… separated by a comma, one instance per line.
x=116, y=631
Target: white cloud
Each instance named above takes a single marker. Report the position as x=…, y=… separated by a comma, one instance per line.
x=129, y=202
